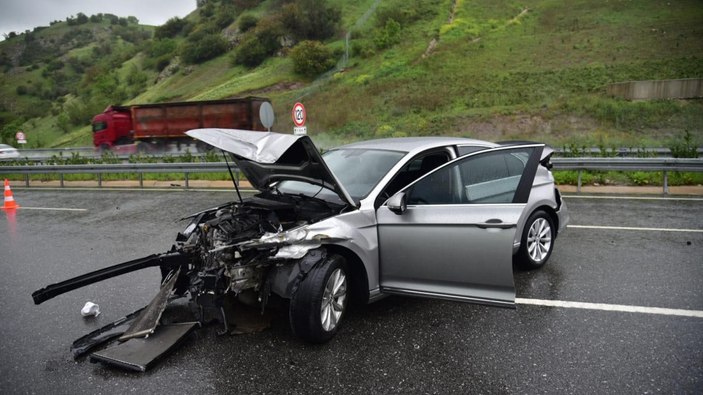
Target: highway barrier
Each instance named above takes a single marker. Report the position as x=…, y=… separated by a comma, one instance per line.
x=664, y=165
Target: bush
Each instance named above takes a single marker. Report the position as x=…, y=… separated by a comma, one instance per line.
x=21, y=90
x=311, y=19
x=388, y=36
x=259, y=44
x=683, y=149
x=247, y=22
x=311, y=58
x=251, y=52
x=202, y=49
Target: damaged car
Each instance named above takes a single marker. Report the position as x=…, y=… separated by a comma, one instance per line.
x=433, y=217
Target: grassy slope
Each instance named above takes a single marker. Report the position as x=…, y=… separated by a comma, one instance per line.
x=498, y=72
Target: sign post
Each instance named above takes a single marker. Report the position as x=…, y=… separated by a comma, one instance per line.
x=299, y=117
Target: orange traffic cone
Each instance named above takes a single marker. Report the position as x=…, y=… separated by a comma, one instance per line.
x=9, y=199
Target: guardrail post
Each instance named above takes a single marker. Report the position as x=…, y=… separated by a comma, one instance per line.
x=666, y=182
x=578, y=185
x=61, y=178
x=186, y=180
x=141, y=180
x=100, y=180
x=26, y=180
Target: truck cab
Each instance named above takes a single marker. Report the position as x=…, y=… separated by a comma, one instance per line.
x=112, y=127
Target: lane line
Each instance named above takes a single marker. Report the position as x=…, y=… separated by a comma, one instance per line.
x=53, y=209
x=634, y=228
x=690, y=199
x=611, y=307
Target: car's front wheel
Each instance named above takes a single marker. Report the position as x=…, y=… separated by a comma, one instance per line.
x=537, y=241
x=318, y=306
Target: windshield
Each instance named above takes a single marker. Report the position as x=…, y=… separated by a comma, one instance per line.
x=99, y=125
x=358, y=170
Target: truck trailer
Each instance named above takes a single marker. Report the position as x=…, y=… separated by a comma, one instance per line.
x=155, y=127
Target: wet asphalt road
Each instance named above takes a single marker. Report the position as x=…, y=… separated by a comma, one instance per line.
x=400, y=344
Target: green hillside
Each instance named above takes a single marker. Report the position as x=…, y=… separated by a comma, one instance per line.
x=488, y=69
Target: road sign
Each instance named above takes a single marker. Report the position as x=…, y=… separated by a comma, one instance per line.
x=299, y=115
x=21, y=138
x=300, y=130
x=266, y=115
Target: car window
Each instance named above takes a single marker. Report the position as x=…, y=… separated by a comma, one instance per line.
x=467, y=149
x=484, y=178
x=416, y=168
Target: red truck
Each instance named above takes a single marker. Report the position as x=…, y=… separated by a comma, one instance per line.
x=150, y=127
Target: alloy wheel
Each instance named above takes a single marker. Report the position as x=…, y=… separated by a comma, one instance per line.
x=333, y=300
x=539, y=240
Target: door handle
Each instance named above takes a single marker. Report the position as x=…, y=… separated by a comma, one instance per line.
x=495, y=223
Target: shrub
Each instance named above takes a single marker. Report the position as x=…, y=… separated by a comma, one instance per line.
x=311, y=19
x=202, y=49
x=311, y=58
x=251, y=52
x=259, y=44
x=683, y=149
x=21, y=90
x=247, y=22
x=388, y=36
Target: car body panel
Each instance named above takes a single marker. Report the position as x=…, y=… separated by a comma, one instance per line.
x=442, y=251
x=460, y=249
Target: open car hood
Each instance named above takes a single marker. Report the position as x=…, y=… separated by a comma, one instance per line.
x=267, y=157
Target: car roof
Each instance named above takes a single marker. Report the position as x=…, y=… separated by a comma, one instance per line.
x=408, y=144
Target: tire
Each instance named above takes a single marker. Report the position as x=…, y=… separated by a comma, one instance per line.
x=317, y=308
x=535, y=251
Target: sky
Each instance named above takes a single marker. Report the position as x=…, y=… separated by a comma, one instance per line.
x=21, y=15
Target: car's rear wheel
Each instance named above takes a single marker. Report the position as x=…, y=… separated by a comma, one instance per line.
x=318, y=306
x=537, y=241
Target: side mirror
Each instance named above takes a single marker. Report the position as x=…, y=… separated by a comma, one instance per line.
x=397, y=203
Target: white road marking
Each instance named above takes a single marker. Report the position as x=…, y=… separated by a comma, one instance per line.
x=611, y=307
x=691, y=199
x=634, y=228
x=53, y=209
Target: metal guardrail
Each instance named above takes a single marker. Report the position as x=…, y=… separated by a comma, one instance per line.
x=45, y=154
x=606, y=164
x=629, y=164
x=138, y=168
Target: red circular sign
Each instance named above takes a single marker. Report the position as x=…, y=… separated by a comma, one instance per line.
x=298, y=114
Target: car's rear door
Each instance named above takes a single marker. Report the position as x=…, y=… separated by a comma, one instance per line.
x=455, y=238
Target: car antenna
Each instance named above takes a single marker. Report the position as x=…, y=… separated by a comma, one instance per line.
x=236, y=187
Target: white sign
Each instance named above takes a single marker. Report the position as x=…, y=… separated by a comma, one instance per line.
x=298, y=114
x=300, y=130
x=266, y=115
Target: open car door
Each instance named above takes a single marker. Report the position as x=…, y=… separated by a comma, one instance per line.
x=450, y=234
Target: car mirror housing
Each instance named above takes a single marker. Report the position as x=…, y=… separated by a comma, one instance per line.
x=397, y=203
